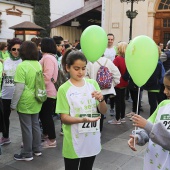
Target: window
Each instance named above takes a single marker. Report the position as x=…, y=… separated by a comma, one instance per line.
x=164, y=5
x=166, y=37
x=166, y=23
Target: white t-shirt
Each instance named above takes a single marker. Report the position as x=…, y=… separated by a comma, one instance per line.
x=156, y=157
x=110, y=53
x=76, y=101
x=8, y=80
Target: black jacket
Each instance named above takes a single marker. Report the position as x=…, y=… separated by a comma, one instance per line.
x=166, y=63
x=154, y=81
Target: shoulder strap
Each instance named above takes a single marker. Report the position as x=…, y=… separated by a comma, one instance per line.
x=105, y=62
x=33, y=66
x=98, y=63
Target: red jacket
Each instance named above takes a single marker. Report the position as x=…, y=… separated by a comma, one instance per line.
x=119, y=61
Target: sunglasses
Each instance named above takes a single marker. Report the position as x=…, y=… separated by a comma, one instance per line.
x=14, y=49
x=60, y=45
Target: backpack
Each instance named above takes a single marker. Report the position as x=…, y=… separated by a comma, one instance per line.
x=40, y=89
x=61, y=79
x=104, y=77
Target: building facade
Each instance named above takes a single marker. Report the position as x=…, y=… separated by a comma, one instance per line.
x=153, y=20
x=12, y=13
x=70, y=18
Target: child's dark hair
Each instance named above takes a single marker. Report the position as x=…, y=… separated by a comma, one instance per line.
x=70, y=56
x=167, y=75
x=48, y=45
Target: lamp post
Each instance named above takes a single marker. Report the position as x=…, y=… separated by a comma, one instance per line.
x=131, y=14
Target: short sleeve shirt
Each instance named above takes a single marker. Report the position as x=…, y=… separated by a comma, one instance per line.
x=157, y=157
x=26, y=74
x=9, y=68
x=74, y=101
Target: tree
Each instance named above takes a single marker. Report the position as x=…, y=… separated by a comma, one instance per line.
x=41, y=15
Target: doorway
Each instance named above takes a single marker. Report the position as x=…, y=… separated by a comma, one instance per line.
x=162, y=22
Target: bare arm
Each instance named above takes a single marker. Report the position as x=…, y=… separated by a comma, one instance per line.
x=102, y=104
x=67, y=119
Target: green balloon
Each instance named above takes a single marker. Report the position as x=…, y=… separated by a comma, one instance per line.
x=93, y=42
x=141, y=59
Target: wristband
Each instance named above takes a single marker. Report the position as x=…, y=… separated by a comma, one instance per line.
x=101, y=100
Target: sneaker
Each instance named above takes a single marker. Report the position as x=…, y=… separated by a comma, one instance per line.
x=114, y=122
x=112, y=112
x=111, y=121
x=48, y=144
x=130, y=114
x=61, y=132
x=130, y=119
x=20, y=157
x=123, y=120
x=37, y=153
x=4, y=141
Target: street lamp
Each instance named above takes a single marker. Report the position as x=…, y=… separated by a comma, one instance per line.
x=131, y=14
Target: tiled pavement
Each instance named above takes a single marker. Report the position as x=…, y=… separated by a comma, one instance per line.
x=115, y=155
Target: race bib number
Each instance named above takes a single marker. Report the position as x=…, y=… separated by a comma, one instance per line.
x=89, y=126
x=165, y=119
x=8, y=81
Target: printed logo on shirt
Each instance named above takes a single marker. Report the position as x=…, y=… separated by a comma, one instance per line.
x=165, y=119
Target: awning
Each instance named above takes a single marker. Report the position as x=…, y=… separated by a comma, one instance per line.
x=89, y=7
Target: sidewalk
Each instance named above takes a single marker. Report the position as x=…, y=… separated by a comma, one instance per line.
x=115, y=155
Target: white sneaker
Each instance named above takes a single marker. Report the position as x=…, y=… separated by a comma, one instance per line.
x=111, y=121
x=114, y=122
x=123, y=120
x=130, y=114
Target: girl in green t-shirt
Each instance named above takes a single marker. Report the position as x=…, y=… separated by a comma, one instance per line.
x=155, y=131
x=77, y=102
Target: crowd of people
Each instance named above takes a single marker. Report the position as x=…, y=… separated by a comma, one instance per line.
x=80, y=102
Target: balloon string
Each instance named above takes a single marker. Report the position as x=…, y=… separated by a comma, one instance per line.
x=93, y=77
x=137, y=113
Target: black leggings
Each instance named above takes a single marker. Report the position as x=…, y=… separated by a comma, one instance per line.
x=7, y=111
x=46, y=118
x=120, y=103
x=79, y=163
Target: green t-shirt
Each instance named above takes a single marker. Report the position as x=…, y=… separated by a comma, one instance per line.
x=77, y=101
x=5, y=55
x=26, y=74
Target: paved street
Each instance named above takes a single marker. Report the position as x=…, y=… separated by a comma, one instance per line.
x=115, y=155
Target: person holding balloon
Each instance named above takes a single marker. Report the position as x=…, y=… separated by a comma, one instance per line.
x=155, y=130
x=77, y=103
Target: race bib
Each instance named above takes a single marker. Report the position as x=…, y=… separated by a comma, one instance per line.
x=89, y=126
x=165, y=119
x=8, y=81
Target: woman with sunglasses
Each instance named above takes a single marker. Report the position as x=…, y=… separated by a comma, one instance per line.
x=8, y=87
